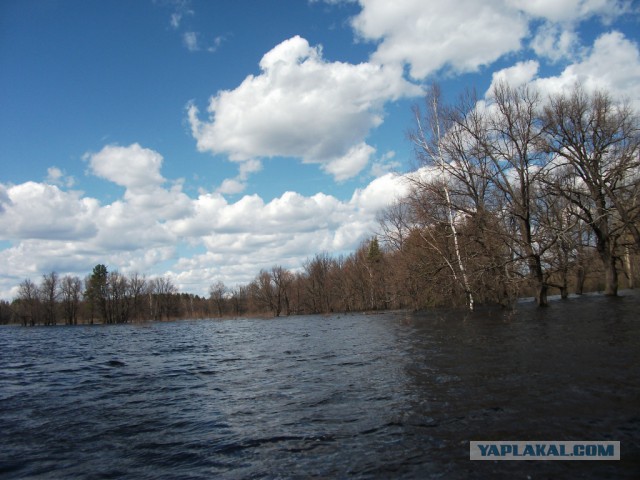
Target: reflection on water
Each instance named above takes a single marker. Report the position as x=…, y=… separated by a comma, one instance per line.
x=365, y=396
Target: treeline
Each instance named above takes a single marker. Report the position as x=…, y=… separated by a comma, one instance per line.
x=325, y=284
x=102, y=297
x=518, y=195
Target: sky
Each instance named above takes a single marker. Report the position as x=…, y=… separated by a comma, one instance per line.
x=206, y=140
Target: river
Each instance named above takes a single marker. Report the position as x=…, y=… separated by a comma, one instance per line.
x=394, y=395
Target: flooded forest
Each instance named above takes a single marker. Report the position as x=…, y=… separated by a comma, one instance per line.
x=515, y=195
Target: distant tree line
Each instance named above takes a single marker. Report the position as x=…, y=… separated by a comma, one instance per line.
x=325, y=284
x=519, y=196
x=103, y=297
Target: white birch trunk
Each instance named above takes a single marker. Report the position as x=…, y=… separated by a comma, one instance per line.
x=438, y=158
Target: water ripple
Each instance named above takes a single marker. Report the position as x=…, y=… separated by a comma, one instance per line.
x=383, y=396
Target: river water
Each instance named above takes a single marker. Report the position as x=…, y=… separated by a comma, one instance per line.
x=395, y=395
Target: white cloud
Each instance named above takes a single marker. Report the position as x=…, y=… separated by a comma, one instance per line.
x=216, y=43
x=176, y=17
x=460, y=36
x=43, y=211
x=571, y=10
x=351, y=163
x=612, y=64
x=301, y=106
x=133, y=167
x=194, y=43
x=190, y=40
x=55, y=176
x=555, y=42
x=181, y=9
x=5, y=200
x=231, y=186
x=385, y=164
x=380, y=192
x=520, y=74
x=146, y=229
x=429, y=35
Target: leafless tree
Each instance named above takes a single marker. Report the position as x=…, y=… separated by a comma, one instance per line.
x=118, y=298
x=71, y=291
x=49, y=297
x=319, y=288
x=162, y=293
x=28, y=302
x=428, y=139
x=497, y=141
x=138, y=287
x=282, y=280
x=217, y=294
x=596, y=146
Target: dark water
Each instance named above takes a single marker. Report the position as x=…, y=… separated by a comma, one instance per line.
x=350, y=396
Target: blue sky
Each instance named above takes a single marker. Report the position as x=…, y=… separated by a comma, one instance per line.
x=208, y=139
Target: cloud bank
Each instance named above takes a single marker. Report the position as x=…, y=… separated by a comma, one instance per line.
x=154, y=223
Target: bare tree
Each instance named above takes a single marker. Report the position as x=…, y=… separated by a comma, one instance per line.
x=28, y=302
x=217, y=294
x=161, y=298
x=596, y=146
x=239, y=299
x=71, y=291
x=264, y=291
x=428, y=139
x=49, y=296
x=282, y=280
x=318, y=271
x=138, y=287
x=118, y=298
x=498, y=142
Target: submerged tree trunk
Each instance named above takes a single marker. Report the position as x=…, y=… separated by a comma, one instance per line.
x=541, y=295
x=606, y=246
x=434, y=152
x=628, y=264
x=610, y=274
x=541, y=286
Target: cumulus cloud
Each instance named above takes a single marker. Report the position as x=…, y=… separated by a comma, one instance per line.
x=144, y=230
x=301, y=106
x=429, y=35
x=572, y=10
x=132, y=167
x=555, y=42
x=351, y=163
x=5, y=200
x=612, y=64
x=43, y=211
x=463, y=35
x=231, y=186
x=519, y=74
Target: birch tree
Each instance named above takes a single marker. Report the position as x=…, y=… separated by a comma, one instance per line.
x=428, y=139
